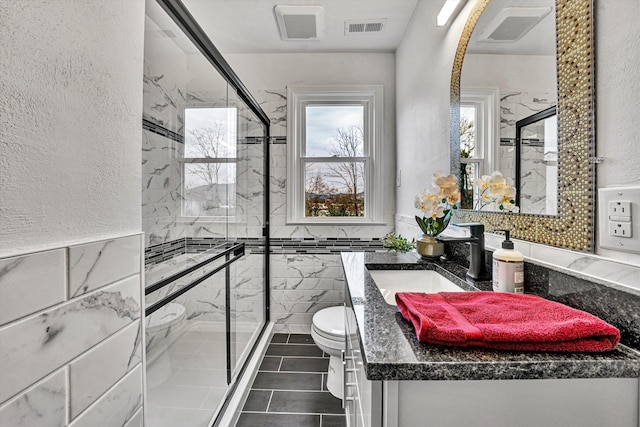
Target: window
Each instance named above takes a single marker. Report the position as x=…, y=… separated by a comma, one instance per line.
x=209, y=162
x=478, y=131
x=334, y=170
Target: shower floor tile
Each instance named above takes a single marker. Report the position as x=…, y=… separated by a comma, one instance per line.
x=186, y=377
x=289, y=389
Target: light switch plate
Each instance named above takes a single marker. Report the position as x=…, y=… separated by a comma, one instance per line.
x=613, y=206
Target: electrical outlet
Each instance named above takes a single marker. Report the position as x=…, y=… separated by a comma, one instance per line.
x=619, y=219
x=620, y=209
x=398, y=178
x=620, y=229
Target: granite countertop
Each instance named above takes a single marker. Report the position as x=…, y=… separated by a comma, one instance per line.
x=390, y=350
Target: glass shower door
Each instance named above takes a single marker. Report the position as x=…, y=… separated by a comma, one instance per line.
x=247, y=296
x=204, y=217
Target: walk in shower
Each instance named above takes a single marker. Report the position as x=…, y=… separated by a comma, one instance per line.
x=205, y=218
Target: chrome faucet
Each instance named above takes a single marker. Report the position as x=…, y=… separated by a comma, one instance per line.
x=477, y=267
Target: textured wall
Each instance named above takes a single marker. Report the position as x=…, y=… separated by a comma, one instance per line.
x=70, y=111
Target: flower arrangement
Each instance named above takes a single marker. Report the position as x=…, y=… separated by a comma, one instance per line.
x=438, y=206
x=398, y=243
x=496, y=190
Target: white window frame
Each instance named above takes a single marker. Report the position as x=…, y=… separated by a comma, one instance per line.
x=203, y=160
x=487, y=103
x=298, y=98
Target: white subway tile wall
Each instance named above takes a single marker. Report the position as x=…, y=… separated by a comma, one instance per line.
x=71, y=343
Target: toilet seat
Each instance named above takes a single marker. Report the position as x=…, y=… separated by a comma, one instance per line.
x=329, y=323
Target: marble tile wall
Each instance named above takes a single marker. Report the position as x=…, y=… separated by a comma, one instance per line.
x=518, y=105
x=514, y=106
x=302, y=284
x=534, y=189
x=70, y=336
x=162, y=170
x=292, y=303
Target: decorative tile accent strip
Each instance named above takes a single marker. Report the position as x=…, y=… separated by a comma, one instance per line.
x=161, y=130
x=164, y=251
x=307, y=245
x=278, y=140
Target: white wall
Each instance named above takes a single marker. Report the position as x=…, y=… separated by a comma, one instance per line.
x=70, y=116
x=618, y=99
x=424, y=61
x=533, y=73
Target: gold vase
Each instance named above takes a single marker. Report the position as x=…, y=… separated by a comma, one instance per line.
x=429, y=247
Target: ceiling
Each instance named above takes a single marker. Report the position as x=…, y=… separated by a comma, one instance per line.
x=540, y=40
x=249, y=26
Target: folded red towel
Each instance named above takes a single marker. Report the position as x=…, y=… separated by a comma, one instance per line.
x=504, y=321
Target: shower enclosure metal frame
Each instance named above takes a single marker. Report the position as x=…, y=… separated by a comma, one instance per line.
x=178, y=12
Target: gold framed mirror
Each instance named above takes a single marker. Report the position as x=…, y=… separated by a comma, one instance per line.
x=573, y=225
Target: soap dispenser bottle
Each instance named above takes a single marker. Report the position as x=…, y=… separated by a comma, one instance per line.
x=508, y=268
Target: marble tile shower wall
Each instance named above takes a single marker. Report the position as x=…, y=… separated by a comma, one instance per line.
x=70, y=340
x=165, y=99
x=516, y=106
x=301, y=283
x=206, y=301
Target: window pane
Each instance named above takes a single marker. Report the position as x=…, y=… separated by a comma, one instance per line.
x=335, y=130
x=209, y=189
x=334, y=189
x=468, y=174
x=210, y=132
x=468, y=129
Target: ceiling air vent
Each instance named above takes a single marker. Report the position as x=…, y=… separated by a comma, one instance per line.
x=300, y=22
x=512, y=23
x=364, y=26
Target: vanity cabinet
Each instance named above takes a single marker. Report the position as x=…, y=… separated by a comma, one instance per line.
x=392, y=380
x=362, y=397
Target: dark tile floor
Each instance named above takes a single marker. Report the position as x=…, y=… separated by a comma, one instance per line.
x=290, y=388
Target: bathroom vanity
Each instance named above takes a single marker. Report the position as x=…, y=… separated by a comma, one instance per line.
x=391, y=379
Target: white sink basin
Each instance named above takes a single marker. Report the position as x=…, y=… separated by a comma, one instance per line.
x=391, y=281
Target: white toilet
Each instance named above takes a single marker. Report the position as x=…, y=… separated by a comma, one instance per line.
x=328, y=332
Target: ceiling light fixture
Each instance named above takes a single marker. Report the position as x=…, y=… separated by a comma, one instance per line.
x=446, y=12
